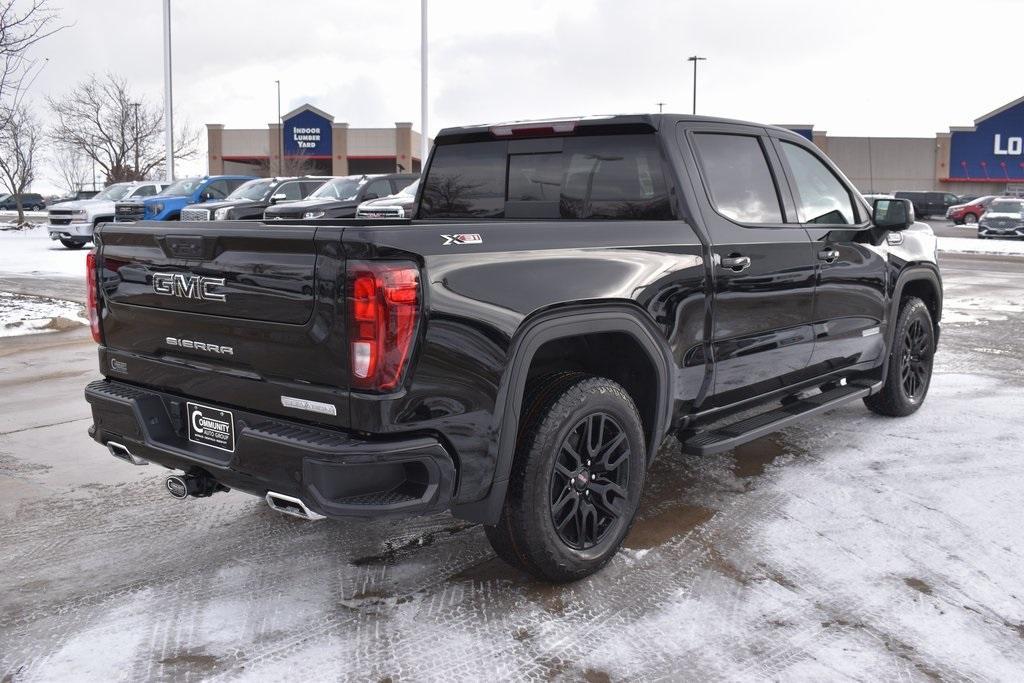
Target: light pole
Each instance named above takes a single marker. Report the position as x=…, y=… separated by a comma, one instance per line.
x=660, y=106
x=168, y=96
x=280, y=133
x=423, y=85
x=695, y=59
x=135, y=106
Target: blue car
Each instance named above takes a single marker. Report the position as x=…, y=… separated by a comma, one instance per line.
x=167, y=205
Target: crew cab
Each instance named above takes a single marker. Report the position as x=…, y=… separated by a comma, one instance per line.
x=72, y=222
x=569, y=294
x=340, y=197
x=167, y=205
x=250, y=199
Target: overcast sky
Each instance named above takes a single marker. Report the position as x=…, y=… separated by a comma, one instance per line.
x=899, y=67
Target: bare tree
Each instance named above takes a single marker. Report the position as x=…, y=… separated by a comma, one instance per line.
x=21, y=27
x=297, y=165
x=72, y=169
x=20, y=138
x=122, y=132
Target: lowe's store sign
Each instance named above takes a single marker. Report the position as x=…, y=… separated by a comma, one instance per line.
x=307, y=134
x=991, y=150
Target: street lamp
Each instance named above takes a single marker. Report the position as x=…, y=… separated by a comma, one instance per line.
x=423, y=85
x=661, y=106
x=280, y=133
x=695, y=59
x=135, y=106
x=168, y=96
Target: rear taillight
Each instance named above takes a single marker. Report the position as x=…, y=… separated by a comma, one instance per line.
x=91, y=293
x=383, y=308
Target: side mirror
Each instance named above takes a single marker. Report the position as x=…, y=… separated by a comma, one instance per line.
x=893, y=214
x=369, y=196
x=280, y=196
x=206, y=196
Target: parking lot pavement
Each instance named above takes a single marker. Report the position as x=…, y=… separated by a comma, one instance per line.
x=852, y=545
x=945, y=228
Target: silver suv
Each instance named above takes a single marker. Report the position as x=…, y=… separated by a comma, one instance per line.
x=72, y=222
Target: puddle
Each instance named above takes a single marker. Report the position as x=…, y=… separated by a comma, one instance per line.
x=660, y=527
x=751, y=459
x=187, y=662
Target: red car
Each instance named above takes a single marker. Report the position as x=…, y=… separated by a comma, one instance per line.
x=970, y=212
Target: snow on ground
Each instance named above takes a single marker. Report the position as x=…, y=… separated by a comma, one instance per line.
x=970, y=245
x=31, y=252
x=21, y=314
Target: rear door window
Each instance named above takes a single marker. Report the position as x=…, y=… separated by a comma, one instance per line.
x=586, y=177
x=739, y=179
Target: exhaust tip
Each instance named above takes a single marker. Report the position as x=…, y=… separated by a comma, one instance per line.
x=288, y=505
x=121, y=452
x=177, y=486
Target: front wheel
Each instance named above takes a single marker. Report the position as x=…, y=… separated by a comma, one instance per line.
x=910, y=362
x=576, y=480
x=71, y=244
x=970, y=219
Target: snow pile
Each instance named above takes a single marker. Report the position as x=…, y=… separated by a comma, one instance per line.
x=970, y=245
x=31, y=252
x=21, y=314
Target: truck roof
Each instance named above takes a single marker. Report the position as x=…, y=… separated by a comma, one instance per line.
x=569, y=124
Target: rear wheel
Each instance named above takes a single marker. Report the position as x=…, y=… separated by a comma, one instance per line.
x=576, y=480
x=910, y=362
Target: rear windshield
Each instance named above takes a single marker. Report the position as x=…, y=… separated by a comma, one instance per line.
x=591, y=177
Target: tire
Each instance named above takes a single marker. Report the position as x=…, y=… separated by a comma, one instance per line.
x=71, y=244
x=970, y=219
x=566, y=510
x=910, y=362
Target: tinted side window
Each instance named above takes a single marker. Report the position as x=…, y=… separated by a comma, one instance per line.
x=466, y=181
x=235, y=184
x=402, y=183
x=821, y=197
x=739, y=179
x=218, y=189
x=290, y=190
x=311, y=187
x=144, y=191
x=614, y=176
x=377, y=189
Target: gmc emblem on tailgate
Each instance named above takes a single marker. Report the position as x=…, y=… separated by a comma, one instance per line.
x=188, y=286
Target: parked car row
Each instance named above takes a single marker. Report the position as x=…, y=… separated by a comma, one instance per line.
x=233, y=197
x=72, y=223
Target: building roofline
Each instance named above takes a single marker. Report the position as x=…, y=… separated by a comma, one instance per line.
x=307, y=107
x=986, y=117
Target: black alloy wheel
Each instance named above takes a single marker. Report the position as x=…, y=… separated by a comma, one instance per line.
x=909, y=371
x=915, y=365
x=589, y=482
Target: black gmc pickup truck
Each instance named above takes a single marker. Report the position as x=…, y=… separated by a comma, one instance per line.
x=570, y=293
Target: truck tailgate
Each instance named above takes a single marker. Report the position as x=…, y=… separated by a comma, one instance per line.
x=214, y=309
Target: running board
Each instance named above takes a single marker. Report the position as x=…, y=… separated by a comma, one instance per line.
x=730, y=436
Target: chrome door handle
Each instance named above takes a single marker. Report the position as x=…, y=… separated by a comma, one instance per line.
x=829, y=255
x=735, y=263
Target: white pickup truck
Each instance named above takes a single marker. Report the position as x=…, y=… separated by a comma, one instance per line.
x=72, y=222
